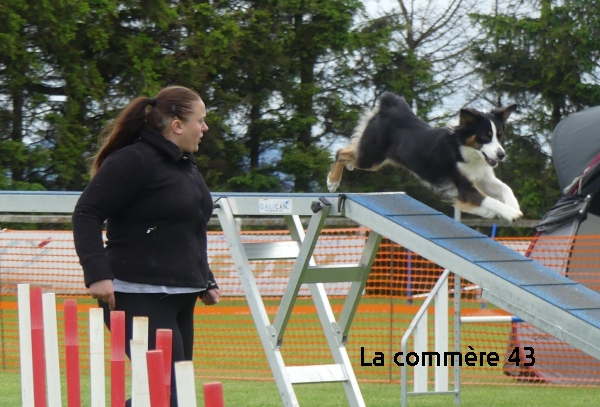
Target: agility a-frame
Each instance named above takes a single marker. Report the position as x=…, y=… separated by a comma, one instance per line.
x=304, y=271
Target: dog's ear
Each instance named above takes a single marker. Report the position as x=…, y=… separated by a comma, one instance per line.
x=503, y=112
x=467, y=116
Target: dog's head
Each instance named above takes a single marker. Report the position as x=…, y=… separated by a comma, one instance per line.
x=483, y=132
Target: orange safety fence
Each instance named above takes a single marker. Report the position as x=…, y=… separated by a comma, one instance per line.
x=227, y=344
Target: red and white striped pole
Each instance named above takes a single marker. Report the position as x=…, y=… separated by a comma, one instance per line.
x=213, y=394
x=25, y=349
x=156, y=379
x=164, y=342
x=72, y=353
x=138, y=346
x=117, y=359
x=51, y=347
x=37, y=343
x=97, y=370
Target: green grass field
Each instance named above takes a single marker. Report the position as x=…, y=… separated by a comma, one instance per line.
x=228, y=349
x=243, y=393
x=230, y=342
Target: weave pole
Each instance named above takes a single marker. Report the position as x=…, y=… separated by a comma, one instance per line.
x=25, y=349
x=164, y=342
x=37, y=343
x=213, y=394
x=186, y=385
x=117, y=359
x=97, y=371
x=51, y=348
x=156, y=379
x=72, y=354
x=140, y=391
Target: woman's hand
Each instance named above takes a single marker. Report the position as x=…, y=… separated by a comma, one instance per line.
x=103, y=290
x=210, y=297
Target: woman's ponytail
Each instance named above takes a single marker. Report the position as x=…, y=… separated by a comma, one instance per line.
x=123, y=131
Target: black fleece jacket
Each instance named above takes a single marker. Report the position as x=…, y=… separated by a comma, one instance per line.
x=157, y=207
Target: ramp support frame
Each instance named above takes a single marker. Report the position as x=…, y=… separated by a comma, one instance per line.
x=419, y=326
x=304, y=271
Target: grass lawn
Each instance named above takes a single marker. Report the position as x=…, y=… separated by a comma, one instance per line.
x=264, y=394
x=236, y=353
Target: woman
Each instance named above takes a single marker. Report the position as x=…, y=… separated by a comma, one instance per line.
x=147, y=187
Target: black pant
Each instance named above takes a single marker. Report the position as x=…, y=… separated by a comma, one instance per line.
x=174, y=312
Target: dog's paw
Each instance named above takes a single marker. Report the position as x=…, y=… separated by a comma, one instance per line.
x=511, y=201
x=350, y=167
x=333, y=186
x=510, y=214
x=502, y=210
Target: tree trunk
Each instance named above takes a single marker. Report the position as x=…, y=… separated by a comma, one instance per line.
x=304, y=99
x=16, y=134
x=254, y=134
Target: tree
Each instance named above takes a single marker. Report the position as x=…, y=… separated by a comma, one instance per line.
x=318, y=31
x=21, y=67
x=232, y=53
x=547, y=61
x=64, y=65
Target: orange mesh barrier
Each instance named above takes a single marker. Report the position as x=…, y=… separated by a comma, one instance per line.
x=227, y=345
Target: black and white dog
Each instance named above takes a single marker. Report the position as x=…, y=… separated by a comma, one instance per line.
x=457, y=163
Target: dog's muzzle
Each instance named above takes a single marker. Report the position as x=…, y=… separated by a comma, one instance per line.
x=499, y=157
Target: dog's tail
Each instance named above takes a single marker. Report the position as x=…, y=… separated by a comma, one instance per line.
x=394, y=105
x=396, y=108
x=391, y=100
x=391, y=106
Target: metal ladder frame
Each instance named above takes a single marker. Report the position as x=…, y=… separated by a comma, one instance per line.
x=304, y=271
x=419, y=327
x=439, y=294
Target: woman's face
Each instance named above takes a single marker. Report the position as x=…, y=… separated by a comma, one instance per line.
x=189, y=133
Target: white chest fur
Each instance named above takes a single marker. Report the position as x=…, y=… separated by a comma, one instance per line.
x=474, y=167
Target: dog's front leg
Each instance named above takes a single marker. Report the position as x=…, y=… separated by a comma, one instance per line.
x=490, y=208
x=508, y=197
x=495, y=188
x=471, y=200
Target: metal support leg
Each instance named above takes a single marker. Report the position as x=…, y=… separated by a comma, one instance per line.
x=304, y=271
x=265, y=330
x=291, y=292
x=336, y=332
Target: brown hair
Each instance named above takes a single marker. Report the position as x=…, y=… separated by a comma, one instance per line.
x=172, y=101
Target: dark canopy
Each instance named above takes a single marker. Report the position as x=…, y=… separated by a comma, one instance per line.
x=576, y=154
x=575, y=144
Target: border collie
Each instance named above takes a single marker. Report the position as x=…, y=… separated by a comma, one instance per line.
x=457, y=163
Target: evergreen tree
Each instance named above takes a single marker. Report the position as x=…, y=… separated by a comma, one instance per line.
x=546, y=60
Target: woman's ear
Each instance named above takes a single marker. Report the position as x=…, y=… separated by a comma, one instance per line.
x=176, y=126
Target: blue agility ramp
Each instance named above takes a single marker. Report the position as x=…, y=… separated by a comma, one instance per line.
x=555, y=304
